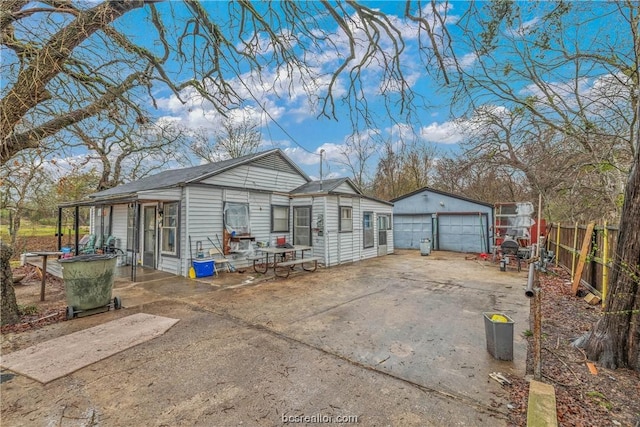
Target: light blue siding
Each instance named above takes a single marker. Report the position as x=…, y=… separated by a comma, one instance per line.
x=409, y=230
x=452, y=223
x=462, y=233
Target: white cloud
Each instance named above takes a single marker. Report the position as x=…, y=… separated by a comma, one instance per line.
x=524, y=29
x=443, y=133
x=303, y=157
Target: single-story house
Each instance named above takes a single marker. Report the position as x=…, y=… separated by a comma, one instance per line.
x=164, y=220
x=451, y=222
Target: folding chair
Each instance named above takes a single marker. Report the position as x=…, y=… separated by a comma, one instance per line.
x=88, y=244
x=219, y=260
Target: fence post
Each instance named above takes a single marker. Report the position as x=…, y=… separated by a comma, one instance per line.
x=605, y=268
x=557, y=244
x=574, y=250
x=584, y=253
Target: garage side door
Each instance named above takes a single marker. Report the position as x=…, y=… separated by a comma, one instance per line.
x=408, y=230
x=462, y=233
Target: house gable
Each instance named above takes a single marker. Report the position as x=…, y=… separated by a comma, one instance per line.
x=272, y=172
x=272, y=161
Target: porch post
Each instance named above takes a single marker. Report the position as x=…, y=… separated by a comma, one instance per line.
x=76, y=226
x=136, y=240
x=59, y=233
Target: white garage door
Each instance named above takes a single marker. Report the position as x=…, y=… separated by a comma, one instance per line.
x=408, y=230
x=462, y=233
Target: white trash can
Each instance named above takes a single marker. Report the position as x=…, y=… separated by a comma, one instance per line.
x=425, y=247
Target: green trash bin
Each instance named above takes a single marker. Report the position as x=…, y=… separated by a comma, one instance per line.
x=88, y=283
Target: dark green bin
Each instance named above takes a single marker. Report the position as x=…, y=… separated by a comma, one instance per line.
x=88, y=282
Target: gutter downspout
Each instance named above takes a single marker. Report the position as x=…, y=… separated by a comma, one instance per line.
x=326, y=232
x=186, y=225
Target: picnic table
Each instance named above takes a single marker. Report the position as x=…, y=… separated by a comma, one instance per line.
x=45, y=255
x=283, y=259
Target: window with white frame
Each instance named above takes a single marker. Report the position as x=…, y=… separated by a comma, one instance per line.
x=346, y=218
x=170, y=228
x=236, y=218
x=384, y=222
x=280, y=219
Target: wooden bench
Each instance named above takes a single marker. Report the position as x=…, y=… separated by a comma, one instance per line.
x=300, y=261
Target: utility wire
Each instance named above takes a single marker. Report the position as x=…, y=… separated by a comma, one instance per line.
x=274, y=120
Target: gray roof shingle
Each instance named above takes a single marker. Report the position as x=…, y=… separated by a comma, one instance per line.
x=175, y=177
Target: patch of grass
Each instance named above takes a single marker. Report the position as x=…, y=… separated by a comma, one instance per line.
x=32, y=230
x=601, y=399
x=606, y=405
x=596, y=395
x=28, y=310
x=528, y=333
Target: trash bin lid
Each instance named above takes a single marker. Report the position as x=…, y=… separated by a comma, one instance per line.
x=89, y=257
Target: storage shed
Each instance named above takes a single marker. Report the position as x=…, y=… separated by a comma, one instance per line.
x=452, y=223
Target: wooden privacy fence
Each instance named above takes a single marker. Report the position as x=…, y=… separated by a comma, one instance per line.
x=585, y=251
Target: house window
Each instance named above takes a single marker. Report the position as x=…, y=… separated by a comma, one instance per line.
x=170, y=229
x=236, y=218
x=280, y=219
x=346, y=218
x=383, y=222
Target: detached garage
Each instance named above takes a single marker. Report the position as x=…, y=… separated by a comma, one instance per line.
x=453, y=223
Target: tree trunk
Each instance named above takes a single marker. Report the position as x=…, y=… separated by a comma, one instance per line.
x=615, y=338
x=9, y=314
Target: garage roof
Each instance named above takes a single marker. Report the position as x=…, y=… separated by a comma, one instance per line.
x=444, y=193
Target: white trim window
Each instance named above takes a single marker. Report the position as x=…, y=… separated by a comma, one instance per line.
x=170, y=228
x=236, y=218
x=279, y=219
x=384, y=223
x=346, y=219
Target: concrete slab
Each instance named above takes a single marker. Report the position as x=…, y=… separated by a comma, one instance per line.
x=417, y=318
x=53, y=359
x=541, y=410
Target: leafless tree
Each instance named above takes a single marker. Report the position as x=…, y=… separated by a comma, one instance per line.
x=234, y=138
x=79, y=54
x=404, y=166
x=124, y=152
x=355, y=155
x=471, y=177
x=573, y=69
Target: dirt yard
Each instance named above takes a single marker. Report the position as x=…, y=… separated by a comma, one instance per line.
x=583, y=399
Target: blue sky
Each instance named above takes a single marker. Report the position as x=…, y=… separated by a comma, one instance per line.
x=289, y=118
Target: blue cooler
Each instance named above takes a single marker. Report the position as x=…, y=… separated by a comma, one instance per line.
x=203, y=267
